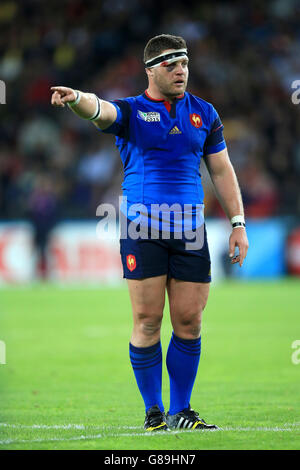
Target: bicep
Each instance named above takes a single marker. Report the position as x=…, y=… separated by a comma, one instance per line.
x=119, y=114
x=215, y=141
x=217, y=163
x=108, y=115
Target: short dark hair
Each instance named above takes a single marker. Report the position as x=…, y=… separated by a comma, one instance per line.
x=162, y=42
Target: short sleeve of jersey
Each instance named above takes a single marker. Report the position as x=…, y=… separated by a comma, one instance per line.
x=215, y=141
x=121, y=124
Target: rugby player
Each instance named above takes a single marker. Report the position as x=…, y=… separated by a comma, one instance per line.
x=162, y=134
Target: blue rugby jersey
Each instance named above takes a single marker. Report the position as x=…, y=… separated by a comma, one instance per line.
x=161, y=146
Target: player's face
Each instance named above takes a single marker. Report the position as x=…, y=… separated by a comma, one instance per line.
x=171, y=80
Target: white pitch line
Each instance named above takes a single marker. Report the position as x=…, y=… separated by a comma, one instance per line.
x=83, y=438
x=51, y=439
x=284, y=427
x=144, y=434
x=64, y=426
x=291, y=428
x=263, y=429
x=42, y=426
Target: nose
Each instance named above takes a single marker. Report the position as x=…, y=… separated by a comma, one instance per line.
x=179, y=70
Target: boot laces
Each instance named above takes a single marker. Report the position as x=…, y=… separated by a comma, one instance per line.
x=155, y=418
x=192, y=415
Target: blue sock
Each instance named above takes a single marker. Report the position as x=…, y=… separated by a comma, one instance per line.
x=147, y=367
x=182, y=362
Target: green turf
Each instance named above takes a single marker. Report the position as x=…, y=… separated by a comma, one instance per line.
x=67, y=365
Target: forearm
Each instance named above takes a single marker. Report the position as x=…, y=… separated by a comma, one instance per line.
x=85, y=105
x=88, y=106
x=228, y=191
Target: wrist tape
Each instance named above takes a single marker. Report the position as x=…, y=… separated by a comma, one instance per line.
x=238, y=221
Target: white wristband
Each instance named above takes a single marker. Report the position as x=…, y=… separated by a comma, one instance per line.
x=238, y=221
x=77, y=99
x=97, y=112
x=237, y=218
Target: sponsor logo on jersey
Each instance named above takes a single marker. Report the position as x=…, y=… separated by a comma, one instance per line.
x=196, y=120
x=175, y=130
x=131, y=262
x=148, y=117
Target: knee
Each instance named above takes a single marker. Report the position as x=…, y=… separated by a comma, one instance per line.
x=188, y=324
x=191, y=323
x=148, y=323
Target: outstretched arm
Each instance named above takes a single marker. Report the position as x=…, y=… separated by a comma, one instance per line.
x=228, y=193
x=85, y=105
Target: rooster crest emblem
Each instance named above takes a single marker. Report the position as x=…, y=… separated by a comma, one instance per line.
x=131, y=262
x=196, y=120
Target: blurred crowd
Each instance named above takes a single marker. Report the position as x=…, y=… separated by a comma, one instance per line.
x=243, y=58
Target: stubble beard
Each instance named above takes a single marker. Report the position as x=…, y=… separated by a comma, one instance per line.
x=166, y=89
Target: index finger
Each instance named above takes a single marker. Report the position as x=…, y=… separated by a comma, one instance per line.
x=242, y=252
x=59, y=88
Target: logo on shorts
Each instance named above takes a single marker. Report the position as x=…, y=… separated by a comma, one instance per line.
x=196, y=120
x=131, y=262
x=148, y=117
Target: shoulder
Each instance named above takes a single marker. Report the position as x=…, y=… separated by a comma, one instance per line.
x=207, y=112
x=204, y=106
x=127, y=106
x=128, y=101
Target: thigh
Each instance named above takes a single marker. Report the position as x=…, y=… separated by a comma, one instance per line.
x=147, y=295
x=148, y=300
x=187, y=301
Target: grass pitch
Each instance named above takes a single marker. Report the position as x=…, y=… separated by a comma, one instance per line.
x=68, y=383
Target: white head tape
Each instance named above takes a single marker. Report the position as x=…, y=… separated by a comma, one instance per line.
x=167, y=58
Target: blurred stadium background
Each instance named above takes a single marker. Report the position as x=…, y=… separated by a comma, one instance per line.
x=55, y=169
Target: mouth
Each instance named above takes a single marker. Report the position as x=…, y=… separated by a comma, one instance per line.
x=179, y=82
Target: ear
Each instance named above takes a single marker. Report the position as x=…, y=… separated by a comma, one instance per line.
x=149, y=73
